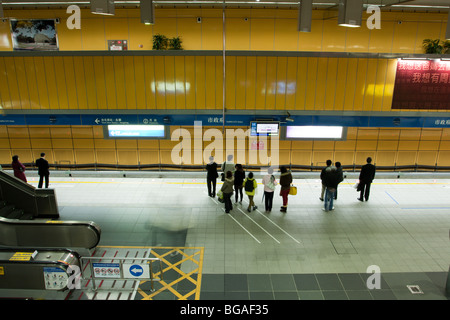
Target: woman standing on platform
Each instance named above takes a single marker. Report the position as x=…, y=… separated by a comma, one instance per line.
x=285, y=183
x=269, y=183
x=19, y=168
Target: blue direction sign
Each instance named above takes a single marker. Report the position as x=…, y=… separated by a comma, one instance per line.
x=136, y=270
x=98, y=119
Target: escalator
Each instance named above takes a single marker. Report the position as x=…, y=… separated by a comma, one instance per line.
x=49, y=233
x=28, y=218
x=41, y=270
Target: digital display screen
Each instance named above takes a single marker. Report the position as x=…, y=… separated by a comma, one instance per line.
x=136, y=131
x=314, y=132
x=264, y=128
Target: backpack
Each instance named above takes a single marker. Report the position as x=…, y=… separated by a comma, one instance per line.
x=249, y=185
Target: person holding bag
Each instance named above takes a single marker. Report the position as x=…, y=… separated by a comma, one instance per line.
x=227, y=190
x=285, y=183
x=270, y=184
x=227, y=166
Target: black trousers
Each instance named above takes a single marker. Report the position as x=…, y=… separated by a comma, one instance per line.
x=238, y=190
x=211, y=186
x=365, y=190
x=268, y=200
x=41, y=180
x=227, y=200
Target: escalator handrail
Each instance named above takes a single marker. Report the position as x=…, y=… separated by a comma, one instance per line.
x=17, y=183
x=90, y=224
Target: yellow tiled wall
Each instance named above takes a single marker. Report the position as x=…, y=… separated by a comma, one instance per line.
x=85, y=145
x=196, y=82
x=245, y=29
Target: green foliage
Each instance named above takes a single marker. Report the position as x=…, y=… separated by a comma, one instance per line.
x=175, y=44
x=436, y=46
x=160, y=42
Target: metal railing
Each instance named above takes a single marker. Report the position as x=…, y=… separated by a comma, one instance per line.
x=120, y=270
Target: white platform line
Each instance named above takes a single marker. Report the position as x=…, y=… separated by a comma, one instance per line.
x=279, y=227
x=243, y=227
x=259, y=225
x=216, y=202
x=276, y=225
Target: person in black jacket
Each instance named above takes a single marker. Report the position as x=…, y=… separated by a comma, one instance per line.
x=322, y=174
x=331, y=180
x=366, y=177
x=211, y=176
x=239, y=176
x=340, y=173
x=43, y=171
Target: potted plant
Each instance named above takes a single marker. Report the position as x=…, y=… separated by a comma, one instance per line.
x=175, y=44
x=432, y=46
x=160, y=42
x=446, y=47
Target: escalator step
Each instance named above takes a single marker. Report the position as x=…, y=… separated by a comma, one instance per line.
x=15, y=214
x=6, y=210
x=26, y=216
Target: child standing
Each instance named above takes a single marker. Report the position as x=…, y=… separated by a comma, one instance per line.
x=250, y=186
x=227, y=190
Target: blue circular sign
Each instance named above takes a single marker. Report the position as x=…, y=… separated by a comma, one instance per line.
x=136, y=270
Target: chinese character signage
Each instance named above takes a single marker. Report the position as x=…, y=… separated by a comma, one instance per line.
x=422, y=84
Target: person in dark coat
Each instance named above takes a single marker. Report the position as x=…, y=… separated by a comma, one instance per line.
x=211, y=177
x=43, y=170
x=331, y=180
x=19, y=168
x=227, y=190
x=366, y=177
x=239, y=176
x=340, y=174
x=322, y=174
x=285, y=183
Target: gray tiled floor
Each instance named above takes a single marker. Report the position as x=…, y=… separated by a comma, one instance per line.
x=306, y=253
x=346, y=286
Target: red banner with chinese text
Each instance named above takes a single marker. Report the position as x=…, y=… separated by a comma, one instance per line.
x=422, y=84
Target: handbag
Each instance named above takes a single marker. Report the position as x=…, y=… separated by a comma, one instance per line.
x=271, y=185
x=220, y=196
x=293, y=190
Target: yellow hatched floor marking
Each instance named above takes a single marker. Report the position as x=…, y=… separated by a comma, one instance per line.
x=196, y=257
x=198, y=254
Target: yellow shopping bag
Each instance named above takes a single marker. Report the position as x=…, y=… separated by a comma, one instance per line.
x=293, y=190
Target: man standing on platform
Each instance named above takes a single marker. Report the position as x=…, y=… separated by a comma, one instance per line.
x=43, y=171
x=365, y=179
